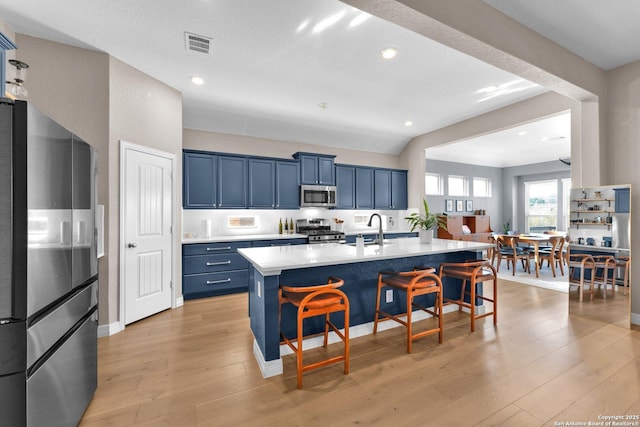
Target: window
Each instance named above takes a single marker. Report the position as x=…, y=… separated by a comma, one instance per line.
x=481, y=187
x=458, y=185
x=433, y=184
x=541, y=205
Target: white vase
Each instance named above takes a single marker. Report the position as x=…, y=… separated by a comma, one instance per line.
x=426, y=236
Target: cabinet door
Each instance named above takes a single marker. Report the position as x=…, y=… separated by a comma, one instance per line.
x=623, y=200
x=345, y=187
x=287, y=185
x=326, y=171
x=199, y=181
x=262, y=175
x=308, y=169
x=382, y=186
x=364, y=188
x=399, y=190
x=232, y=182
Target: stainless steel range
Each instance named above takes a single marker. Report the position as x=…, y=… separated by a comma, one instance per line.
x=318, y=230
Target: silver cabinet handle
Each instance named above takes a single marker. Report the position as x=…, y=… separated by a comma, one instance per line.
x=132, y=245
x=209, y=264
x=214, y=282
x=219, y=249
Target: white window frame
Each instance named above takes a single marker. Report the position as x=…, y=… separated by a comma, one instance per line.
x=526, y=203
x=465, y=185
x=484, y=183
x=440, y=190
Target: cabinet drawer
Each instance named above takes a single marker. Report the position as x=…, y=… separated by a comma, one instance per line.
x=199, y=285
x=213, y=248
x=213, y=263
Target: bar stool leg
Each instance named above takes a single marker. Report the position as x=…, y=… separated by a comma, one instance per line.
x=409, y=324
x=299, y=352
x=375, y=318
x=472, y=305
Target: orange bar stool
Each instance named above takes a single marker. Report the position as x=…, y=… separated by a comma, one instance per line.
x=605, y=273
x=315, y=301
x=413, y=283
x=578, y=266
x=473, y=272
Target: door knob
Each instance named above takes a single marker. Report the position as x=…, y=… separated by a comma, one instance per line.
x=132, y=245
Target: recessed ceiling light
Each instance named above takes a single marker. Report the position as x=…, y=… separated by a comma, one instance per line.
x=323, y=105
x=197, y=80
x=408, y=123
x=522, y=133
x=389, y=53
x=545, y=138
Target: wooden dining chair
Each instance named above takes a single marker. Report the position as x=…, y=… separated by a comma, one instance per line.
x=509, y=250
x=553, y=255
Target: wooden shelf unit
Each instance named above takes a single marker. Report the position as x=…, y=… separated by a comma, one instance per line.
x=479, y=225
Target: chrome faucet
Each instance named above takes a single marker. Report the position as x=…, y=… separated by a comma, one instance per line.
x=380, y=238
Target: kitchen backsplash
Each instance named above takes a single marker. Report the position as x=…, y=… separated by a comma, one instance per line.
x=199, y=223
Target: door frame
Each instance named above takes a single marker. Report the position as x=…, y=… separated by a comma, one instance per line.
x=124, y=146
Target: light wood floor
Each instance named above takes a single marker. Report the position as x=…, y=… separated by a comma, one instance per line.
x=194, y=366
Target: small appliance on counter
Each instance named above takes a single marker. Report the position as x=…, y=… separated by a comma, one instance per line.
x=318, y=230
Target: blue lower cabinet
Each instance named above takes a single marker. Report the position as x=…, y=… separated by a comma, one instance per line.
x=210, y=269
x=277, y=242
x=211, y=284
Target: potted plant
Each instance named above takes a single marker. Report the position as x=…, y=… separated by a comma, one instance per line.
x=425, y=223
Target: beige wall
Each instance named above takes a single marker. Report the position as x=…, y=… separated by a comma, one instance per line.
x=146, y=112
x=104, y=101
x=249, y=145
x=622, y=144
x=71, y=86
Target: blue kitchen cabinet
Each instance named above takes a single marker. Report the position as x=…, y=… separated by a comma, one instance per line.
x=210, y=269
x=382, y=189
x=287, y=184
x=399, y=190
x=262, y=191
x=278, y=242
x=345, y=187
x=232, y=182
x=364, y=188
x=623, y=200
x=199, y=182
x=316, y=169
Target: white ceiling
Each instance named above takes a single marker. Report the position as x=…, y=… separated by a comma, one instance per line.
x=536, y=142
x=268, y=71
x=603, y=32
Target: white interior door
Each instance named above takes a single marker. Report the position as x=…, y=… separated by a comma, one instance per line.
x=147, y=232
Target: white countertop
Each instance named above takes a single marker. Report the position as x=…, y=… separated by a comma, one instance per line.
x=272, y=260
x=576, y=248
x=240, y=238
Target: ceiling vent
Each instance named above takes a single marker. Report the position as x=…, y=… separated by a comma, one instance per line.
x=197, y=43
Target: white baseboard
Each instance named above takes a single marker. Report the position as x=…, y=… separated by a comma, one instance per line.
x=270, y=368
x=635, y=318
x=179, y=301
x=108, y=330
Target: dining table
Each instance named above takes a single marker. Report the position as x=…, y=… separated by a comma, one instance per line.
x=535, y=240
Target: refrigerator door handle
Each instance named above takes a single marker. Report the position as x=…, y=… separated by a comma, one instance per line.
x=132, y=245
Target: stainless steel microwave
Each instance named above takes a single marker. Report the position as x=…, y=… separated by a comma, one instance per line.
x=317, y=196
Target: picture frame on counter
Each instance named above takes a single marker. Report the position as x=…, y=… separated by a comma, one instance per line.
x=448, y=205
x=469, y=207
x=459, y=205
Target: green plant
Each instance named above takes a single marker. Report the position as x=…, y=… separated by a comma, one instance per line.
x=506, y=227
x=426, y=221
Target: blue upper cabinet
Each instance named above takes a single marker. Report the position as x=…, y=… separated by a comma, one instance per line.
x=232, y=182
x=345, y=187
x=316, y=168
x=262, y=189
x=199, y=183
x=382, y=185
x=399, y=190
x=623, y=200
x=287, y=184
x=364, y=188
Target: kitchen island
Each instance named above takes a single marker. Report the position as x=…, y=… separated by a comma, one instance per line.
x=358, y=267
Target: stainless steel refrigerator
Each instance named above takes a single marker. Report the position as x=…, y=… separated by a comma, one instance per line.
x=620, y=231
x=48, y=270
